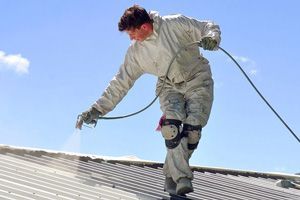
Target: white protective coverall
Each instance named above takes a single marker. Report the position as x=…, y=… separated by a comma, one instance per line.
x=188, y=93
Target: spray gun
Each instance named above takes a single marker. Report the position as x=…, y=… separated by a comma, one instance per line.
x=80, y=121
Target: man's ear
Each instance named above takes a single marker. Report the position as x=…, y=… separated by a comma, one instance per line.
x=144, y=26
x=147, y=27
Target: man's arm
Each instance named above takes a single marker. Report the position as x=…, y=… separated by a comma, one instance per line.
x=118, y=87
x=197, y=30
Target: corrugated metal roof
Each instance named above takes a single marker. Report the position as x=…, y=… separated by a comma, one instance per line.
x=40, y=175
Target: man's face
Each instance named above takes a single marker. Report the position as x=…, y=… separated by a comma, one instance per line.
x=139, y=34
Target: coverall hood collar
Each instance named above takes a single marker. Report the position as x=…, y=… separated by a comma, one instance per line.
x=156, y=24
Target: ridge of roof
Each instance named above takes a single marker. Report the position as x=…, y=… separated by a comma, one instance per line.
x=132, y=160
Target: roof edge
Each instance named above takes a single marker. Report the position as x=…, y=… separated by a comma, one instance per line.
x=78, y=156
x=238, y=172
x=139, y=162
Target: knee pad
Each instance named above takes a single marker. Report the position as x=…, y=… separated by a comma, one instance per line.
x=171, y=132
x=193, y=133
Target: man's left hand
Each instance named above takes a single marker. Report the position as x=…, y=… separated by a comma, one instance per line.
x=208, y=43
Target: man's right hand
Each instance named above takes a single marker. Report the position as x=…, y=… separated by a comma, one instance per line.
x=90, y=116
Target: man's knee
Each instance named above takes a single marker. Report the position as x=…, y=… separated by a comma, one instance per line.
x=171, y=132
x=193, y=133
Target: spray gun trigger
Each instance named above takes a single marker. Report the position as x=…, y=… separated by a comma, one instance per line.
x=94, y=122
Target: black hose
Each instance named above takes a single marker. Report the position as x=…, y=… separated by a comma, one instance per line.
x=237, y=64
x=261, y=96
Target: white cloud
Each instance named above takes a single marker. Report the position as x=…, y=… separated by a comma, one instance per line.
x=248, y=64
x=14, y=62
x=241, y=59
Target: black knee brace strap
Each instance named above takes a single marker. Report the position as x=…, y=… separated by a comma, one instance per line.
x=174, y=142
x=187, y=128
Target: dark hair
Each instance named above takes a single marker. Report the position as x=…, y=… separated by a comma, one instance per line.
x=134, y=17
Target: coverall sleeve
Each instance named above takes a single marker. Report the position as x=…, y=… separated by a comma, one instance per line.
x=118, y=87
x=197, y=30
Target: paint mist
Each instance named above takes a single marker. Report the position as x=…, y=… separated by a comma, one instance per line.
x=72, y=144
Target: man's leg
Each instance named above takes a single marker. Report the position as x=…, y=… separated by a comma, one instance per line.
x=198, y=104
x=177, y=160
x=176, y=169
x=176, y=165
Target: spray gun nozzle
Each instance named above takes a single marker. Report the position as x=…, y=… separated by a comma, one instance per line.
x=79, y=122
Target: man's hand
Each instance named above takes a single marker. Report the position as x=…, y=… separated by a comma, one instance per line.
x=90, y=116
x=208, y=43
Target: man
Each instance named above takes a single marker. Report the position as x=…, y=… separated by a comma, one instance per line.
x=187, y=95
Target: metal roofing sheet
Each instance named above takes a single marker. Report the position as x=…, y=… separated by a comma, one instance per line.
x=42, y=176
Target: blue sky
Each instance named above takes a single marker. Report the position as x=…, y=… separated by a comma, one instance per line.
x=56, y=58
